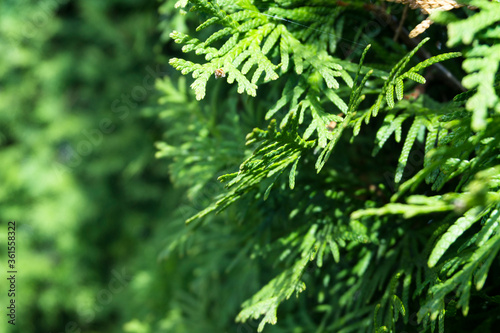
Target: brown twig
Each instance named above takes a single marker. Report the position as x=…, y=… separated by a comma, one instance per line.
x=448, y=78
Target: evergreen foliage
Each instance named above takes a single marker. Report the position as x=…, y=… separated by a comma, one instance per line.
x=423, y=241
x=336, y=175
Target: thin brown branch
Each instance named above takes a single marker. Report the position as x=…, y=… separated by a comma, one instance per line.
x=444, y=74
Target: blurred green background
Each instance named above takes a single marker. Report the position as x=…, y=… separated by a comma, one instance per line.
x=86, y=95
x=78, y=172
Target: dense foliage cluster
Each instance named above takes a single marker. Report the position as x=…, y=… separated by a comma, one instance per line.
x=382, y=242
x=335, y=174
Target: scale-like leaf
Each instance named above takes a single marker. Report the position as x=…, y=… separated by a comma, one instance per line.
x=451, y=235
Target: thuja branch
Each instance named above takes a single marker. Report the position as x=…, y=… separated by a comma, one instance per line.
x=445, y=75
